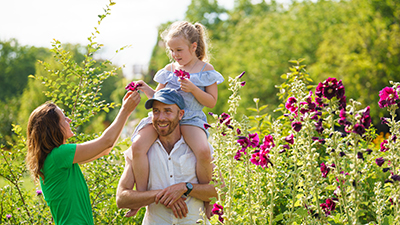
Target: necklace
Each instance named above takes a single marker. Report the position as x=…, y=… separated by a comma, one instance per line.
x=193, y=65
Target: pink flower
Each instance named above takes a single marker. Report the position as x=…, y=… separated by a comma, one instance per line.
x=388, y=97
x=254, y=140
x=290, y=139
x=328, y=206
x=182, y=74
x=268, y=142
x=218, y=210
x=206, y=126
x=383, y=146
x=261, y=158
x=132, y=86
x=290, y=104
x=324, y=170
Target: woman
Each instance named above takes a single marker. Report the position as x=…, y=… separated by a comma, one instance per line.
x=56, y=163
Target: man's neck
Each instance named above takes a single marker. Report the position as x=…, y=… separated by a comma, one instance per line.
x=169, y=141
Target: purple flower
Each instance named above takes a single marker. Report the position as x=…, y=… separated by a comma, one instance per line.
x=39, y=192
x=368, y=151
x=238, y=155
x=340, y=90
x=8, y=216
x=328, y=206
x=241, y=75
x=318, y=126
x=388, y=97
x=244, y=142
x=297, y=126
x=284, y=148
x=366, y=118
x=290, y=104
x=218, y=210
x=379, y=161
x=309, y=105
x=396, y=177
x=243, y=83
x=238, y=131
x=359, y=129
x=383, y=146
x=384, y=120
x=182, y=74
x=360, y=155
x=330, y=86
x=324, y=170
x=342, y=103
x=290, y=139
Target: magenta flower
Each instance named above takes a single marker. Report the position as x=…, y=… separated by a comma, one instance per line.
x=359, y=129
x=254, y=140
x=383, y=146
x=238, y=155
x=132, y=86
x=318, y=126
x=243, y=83
x=218, y=210
x=342, y=103
x=324, y=170
x=261, y=158
x=268, y=142
x=206, y=126
x=244, y=142
x=290, y=104
x=388, y=97
x=290, y=139
x=225, y=119
x=39, y=192
x=8, y=216
x=297, y=126
x=238, y=131
x=182, y=74
x=330, y=86
x=379, y=161
x=309, y=105
x=328, y=206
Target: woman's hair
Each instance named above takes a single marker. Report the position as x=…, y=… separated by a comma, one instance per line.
x=43, y=135
x=193, y=33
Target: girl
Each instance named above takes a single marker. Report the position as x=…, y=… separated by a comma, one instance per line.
x=54, y=162
x=187, y=45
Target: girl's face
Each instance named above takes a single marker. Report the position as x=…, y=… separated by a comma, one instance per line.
x=64, y=124
x=181, y=50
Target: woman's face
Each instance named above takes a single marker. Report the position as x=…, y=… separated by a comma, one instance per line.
x=181, y=50
x=64, y=124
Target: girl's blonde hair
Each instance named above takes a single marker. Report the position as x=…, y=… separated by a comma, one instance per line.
x=43, y=135
x=191, y=32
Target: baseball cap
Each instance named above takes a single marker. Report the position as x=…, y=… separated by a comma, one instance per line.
x=167, y=96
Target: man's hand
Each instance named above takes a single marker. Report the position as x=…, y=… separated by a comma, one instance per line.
x=171, y=194
x=179, y=208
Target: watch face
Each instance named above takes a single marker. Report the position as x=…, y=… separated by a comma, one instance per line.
x=189, y=185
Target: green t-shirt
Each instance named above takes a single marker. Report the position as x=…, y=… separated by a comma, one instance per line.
x=64, y=187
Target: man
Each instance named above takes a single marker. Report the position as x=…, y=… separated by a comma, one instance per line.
x=172, y=170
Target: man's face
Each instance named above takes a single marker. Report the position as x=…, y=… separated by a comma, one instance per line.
x=166, y=117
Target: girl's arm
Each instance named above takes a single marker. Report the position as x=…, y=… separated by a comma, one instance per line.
x=147, y=90
x=207, y=98
x=93, y=149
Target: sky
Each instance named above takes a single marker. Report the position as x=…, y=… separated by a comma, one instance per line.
x=132, y=22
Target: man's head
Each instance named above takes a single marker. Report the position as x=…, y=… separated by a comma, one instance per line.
x=168, y=110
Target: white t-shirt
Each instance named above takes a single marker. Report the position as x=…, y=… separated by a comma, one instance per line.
x=166, y=170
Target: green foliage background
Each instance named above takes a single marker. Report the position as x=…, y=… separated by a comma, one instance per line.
x=357, y=41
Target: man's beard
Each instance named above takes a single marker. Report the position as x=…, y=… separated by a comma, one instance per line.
x=172, y=125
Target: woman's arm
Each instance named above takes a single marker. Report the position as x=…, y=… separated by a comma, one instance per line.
x=88, y=151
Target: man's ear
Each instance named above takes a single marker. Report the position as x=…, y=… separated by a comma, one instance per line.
x=181, y=112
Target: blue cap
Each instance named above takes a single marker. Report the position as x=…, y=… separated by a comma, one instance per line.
x=167, y=96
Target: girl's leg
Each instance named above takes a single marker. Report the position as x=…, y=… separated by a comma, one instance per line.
x=140, y=163
x=196, y=138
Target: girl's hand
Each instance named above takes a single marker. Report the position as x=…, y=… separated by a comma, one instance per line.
x=187, y=85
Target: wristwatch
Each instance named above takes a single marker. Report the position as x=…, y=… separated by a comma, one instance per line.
x=189, y=187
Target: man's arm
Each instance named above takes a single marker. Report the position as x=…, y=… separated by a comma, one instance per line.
x=129, y=198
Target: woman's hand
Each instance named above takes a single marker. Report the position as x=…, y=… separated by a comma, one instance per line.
x=130, y=100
